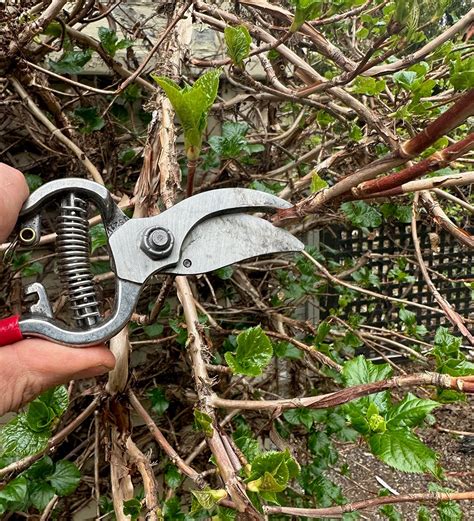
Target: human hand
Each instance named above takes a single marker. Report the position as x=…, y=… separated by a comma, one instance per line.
x=29, y=367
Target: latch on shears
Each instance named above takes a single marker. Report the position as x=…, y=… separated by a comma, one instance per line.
x=200, y=234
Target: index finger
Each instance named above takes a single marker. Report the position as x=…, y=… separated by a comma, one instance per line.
x=13, y=192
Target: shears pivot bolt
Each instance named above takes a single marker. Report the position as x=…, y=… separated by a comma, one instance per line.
x=157, y=242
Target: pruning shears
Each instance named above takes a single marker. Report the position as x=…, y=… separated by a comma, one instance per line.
x=200, y=234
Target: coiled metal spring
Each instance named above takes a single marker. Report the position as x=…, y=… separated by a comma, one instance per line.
x=72, y=246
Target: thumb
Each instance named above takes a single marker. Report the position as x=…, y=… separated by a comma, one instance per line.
x=29, y=367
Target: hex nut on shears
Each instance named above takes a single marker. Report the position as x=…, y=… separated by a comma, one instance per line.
x=157, y=242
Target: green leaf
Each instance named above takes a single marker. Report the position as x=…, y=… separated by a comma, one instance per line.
x=153, y=330
x=462, y=72
x=14, y=495
x=304, y=10
x=98, y=237
x=233, y=144
x=361, y=214
x=110, y=42
x=41, y=493
x=287, y=350
x=209, y=498
x=34, y=181
x=410, y=412
x=225, y=273
x=368, y=86
x=71, y=62
x=402, y=450
x=423, y=514
x=272, y=471
x=56, y=398
x=173, y=477
x=17, y=438
x=191, y=105
x=254, y=352
x=65, y=478
x=405, y=79
x=302, y=416
x=238, y=41
x=362, y=371
x=204, y=422
x=40, y=469
x=159, y=403
x=90, y=119
x=317, y=184
x=132, y=507
x=39, y=416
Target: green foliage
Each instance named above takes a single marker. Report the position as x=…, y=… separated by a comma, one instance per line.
x=271, y=472
x=159, y=403
x=98, y=237
x=23, y=262
x=110, y=42
x=173, y=477
x=71, y=62
x=447, y=510
x=34, y=181
x=38, y=485
x=233, y=144
x=387, y=426
x=461, y=72
x=317, y=184
x=29, y=431
x=132, y=507
x=408, y=319
x=192, y=104
x=203, y=422
x=368, y=86
x=238, y=41
x=254, y=352
x=450, y=360
x=304, y=10
x=91, y=120
x=209, y=498
x=360, y=214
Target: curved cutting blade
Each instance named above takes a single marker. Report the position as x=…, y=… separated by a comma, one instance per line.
x=228, y=239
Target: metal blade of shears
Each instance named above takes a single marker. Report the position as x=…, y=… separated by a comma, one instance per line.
x=227, y=239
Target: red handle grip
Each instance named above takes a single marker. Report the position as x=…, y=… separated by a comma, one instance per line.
x=10, y=331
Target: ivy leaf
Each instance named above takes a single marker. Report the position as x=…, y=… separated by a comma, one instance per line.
x=41, y=493
x=287, y=350
x=91, y=120
x=71, y=62
x=172, y=477
x=204, y=422
x=238, y=41
x=317, y=184
x=153, y=330
x=65, y=478
x=254, y=352
x=209, y=498
x=361, y=214
x=159, y=403
x=402, y=450
x=410, y=412
x=110, y=42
